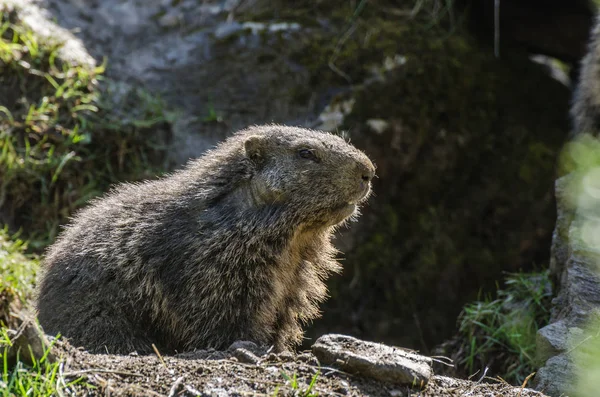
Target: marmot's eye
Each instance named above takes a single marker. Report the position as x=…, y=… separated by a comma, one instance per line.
x=307, y=154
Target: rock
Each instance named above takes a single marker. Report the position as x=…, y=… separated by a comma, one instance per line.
x=245, y=356
x=373, y=360
x=550, y=341
x=574, y=267
x=200, y=58
x=243, y=344
x=72, y=49
x=245, y=351
x=555, y=378
x=170, y=20
x=308, y=358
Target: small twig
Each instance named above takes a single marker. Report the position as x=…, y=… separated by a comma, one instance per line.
x=443, y=360
x=331, y=370
x=473, y=375
x=99, y=371
x=500, y=380
x=60, y=379
x=524, y=383
x=193, y=391
x=484, y=373
x=175, y=387
x=160, y=357
x=417, y=7
x=109, y=383
x=337, y=50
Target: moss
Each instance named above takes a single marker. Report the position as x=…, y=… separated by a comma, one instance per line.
x=64, y=137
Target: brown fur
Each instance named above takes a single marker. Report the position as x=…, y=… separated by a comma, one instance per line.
x=235, y=246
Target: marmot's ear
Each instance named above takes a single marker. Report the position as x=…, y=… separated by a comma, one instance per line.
x=255, y=148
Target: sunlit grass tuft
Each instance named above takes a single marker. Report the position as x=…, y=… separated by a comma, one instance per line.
x=43, y=378
x=296, y=386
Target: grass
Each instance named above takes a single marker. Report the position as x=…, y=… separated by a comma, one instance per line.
x=43, y=378
x=500, y=333
x=64, y=136
x=17, y=269
x=296, y=386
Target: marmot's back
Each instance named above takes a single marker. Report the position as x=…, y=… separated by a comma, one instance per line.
x=235, y=246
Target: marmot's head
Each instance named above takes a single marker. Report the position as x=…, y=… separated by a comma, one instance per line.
x=319, y=176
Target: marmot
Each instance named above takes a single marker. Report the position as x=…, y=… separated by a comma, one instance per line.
x=234, y=246
x=585, y=107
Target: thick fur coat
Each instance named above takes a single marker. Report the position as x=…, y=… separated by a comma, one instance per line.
x=235, y=246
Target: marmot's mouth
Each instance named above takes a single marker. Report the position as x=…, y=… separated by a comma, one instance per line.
x=360, y=197
x=343, y=212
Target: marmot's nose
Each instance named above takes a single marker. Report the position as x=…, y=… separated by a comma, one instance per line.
x=366, y=171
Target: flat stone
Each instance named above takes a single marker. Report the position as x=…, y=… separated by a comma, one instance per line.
x=373, y=360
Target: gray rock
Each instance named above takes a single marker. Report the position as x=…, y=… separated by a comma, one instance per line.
x=72, y=49
x=170, y=19
x=373, y=360
x=199, y=58
x=243, y=344
x=245, y=356
x=551, y=340
x=574, y=267
x=554, y=379
x=245, y=351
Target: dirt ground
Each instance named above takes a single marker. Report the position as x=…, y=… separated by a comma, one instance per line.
x=213, y=373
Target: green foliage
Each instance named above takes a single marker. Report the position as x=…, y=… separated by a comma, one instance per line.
x=43, y=378
x=501, y=333
x=17, y=270
x=296, y=386
x=63, y=139
x=580, y=154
